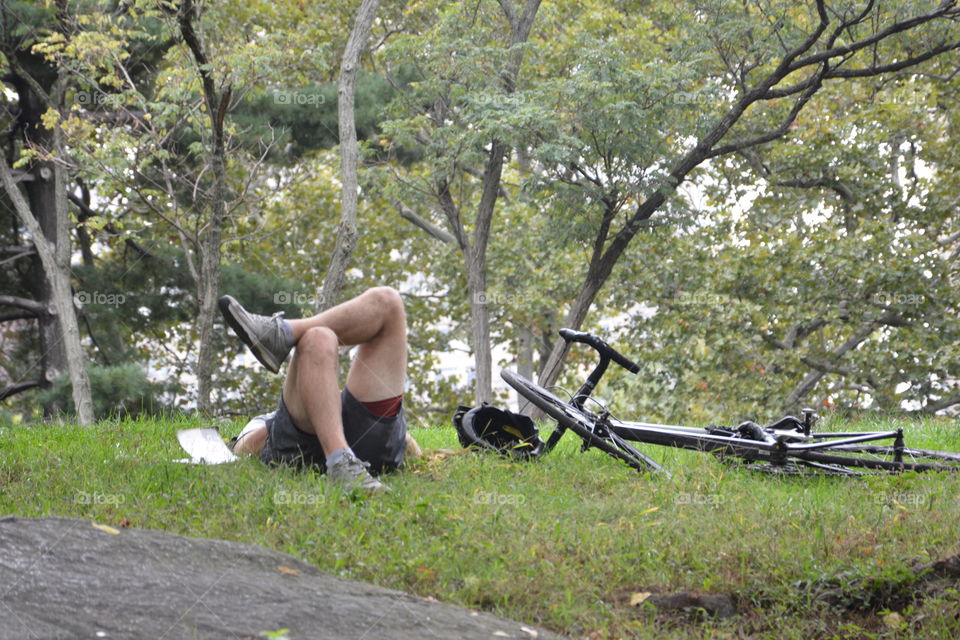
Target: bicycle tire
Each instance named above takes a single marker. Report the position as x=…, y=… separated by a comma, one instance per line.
x=852, y=460
x=883, y=458
x=581, y=422
x=793, y=468
x=836, y=460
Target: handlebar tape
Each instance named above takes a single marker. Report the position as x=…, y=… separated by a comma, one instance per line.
x=604, y=349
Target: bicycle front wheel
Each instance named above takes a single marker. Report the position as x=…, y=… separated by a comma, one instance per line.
x=582, y=422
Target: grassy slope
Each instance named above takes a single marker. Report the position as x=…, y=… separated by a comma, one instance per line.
x=560, y=543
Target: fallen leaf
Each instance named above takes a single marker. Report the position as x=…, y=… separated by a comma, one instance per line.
x=533, y=633
x=893, y=619
x=440, y=454
x=638, y=598
x=105, y=528
x=287, y=570
x=650, y=510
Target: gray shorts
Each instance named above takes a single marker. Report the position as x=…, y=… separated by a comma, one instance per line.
x=379, y=441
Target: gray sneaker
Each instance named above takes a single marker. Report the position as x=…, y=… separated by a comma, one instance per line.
x=351, y=472
x=266, y=336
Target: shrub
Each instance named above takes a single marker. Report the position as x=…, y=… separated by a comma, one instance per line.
x=118, y=391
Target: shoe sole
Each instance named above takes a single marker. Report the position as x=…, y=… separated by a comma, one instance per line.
x=265, y=357
x=356, y=488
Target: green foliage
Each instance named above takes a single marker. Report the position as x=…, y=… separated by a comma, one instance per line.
x=119, y=391
x=306, y=117
x=841, y=222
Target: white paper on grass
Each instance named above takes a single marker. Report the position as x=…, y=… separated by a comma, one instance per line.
x=204, y=446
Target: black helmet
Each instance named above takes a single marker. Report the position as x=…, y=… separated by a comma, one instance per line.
x=506, y=432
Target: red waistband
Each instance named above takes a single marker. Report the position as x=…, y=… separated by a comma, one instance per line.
x=384, y=408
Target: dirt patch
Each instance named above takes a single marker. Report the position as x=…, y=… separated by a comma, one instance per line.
x=716, y=605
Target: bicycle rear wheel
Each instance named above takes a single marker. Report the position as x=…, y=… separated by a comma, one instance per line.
x=849, y=460
x=884, y=458
x=582, y=422
x=789, y=468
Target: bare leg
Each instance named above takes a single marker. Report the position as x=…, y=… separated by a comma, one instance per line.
x=311, y=393
x=252, y=443
x=374, y=320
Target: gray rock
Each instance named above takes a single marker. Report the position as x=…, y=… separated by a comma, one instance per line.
x=65, y=578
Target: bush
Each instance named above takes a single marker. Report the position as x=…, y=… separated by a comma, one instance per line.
x=118, y=391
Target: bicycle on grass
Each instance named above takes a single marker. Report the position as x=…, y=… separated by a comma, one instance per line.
x=787, y=446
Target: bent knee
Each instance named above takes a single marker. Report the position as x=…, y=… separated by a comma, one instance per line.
x=319, y=342
x=387, y=298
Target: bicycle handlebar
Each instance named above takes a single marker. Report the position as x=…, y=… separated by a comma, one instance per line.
x=604, y=349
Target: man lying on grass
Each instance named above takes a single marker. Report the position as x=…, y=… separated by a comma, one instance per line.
x=346, y=432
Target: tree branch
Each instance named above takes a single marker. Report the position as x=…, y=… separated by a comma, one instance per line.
x=842, y=190
x=452, y=213
x=780, y=131
x=9, y=254
x=825, y=367
x=17, y=315
x=426, y=225
x=946, y=8
x=821, y=368
x=795, y=334
x=26, y=304
x=86, y=213
x=19, y=387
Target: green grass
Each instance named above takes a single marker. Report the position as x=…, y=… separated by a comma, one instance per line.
x=560, y=543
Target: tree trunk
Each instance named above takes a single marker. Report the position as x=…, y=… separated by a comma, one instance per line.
x=525, y=352
x=217, y=103
x=56, y=265
x=524, y=357
x=42, y=197
x=475, y=252
x=349, y=155
x=550, y=370
x=46, y=220
x=208, y=290
x=479, y=325
x=209, y=286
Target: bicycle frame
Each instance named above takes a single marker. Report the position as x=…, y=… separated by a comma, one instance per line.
x=787, y=442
